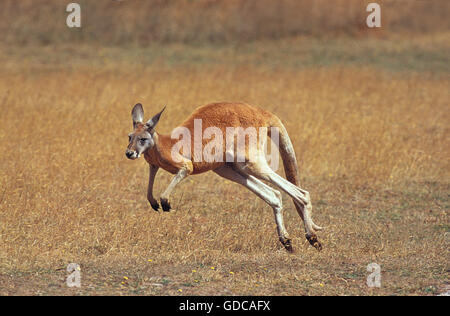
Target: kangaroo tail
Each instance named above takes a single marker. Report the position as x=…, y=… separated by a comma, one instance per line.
x=287, y=153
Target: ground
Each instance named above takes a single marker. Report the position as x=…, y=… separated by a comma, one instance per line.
x=369, y=123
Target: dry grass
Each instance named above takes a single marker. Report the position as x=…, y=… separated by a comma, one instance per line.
x=367, y=111
x=373, y=147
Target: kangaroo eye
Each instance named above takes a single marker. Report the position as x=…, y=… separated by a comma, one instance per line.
x=129, y=138
x=142, y=141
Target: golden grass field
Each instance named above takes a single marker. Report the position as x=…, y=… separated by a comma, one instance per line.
x=369, y=121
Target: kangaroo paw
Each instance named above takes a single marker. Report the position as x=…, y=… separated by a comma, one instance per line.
x=314, y=241
x=155, y=206
x=165, y=205
x=287, y=244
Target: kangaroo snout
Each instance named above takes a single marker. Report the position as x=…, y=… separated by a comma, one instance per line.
x=131, y=154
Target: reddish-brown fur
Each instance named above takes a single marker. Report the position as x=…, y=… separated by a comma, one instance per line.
x=221, y=115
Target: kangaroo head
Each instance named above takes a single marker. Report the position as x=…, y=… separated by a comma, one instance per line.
x=141, y=139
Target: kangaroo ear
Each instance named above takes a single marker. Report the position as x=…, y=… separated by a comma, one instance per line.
x=137, y=114
x=154, y=120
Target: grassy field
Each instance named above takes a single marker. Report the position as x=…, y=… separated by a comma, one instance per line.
x=368, y=117
x=372, y=144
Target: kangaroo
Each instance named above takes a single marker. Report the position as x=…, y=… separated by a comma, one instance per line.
x=249, y=169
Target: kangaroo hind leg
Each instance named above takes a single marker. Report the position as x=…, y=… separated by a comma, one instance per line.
x=302, y=201
x=263, y=191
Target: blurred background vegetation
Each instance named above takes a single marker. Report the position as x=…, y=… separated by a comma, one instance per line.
x=136, y=22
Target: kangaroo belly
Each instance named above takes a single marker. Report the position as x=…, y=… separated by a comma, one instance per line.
x=201, y=167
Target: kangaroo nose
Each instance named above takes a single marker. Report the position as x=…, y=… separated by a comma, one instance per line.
x=128, y=154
